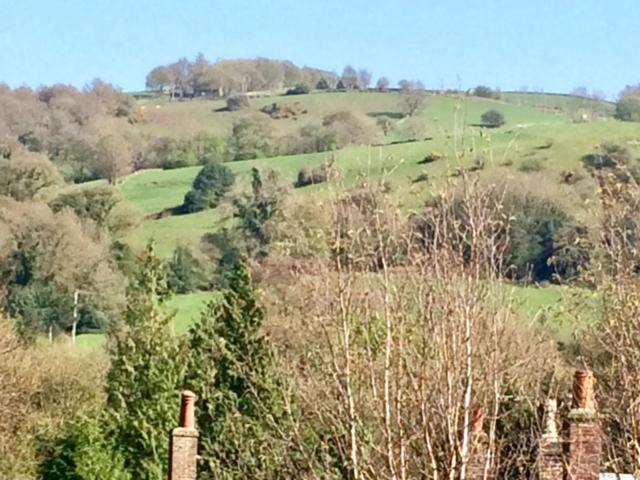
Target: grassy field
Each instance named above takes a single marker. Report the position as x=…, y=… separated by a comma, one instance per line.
x=186, y=308
x=186, y=118
x=548, y=141
x=568, y=104
x=533, y=134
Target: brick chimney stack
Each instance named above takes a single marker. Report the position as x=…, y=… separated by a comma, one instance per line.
x=183, y=445
x=550, y=455
x=480, y=463
x=585, y=435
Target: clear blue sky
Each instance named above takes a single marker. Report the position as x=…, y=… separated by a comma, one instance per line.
x=553, y=45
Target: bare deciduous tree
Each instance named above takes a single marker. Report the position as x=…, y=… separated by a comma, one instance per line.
x=412, y=101
x=113, y=158
x=382, y=84
x=409, y=342
x=364, y=78
x=612, y=345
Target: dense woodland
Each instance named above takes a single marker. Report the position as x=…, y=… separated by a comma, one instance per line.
x=350, y=336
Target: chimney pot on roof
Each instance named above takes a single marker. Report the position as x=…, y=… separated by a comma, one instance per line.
x=187, y=410
x=477, y=421
x=583, y=390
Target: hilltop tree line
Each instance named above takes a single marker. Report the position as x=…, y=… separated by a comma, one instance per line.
x=185, y=78
x=200, y=77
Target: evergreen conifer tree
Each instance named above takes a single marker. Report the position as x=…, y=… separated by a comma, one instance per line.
x=231, y=370
x=144, y=377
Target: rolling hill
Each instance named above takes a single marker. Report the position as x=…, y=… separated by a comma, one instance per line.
x=545, y=137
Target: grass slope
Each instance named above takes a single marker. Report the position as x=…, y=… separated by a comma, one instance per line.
x=186, y=308
x=186, y=118
x=531, y=132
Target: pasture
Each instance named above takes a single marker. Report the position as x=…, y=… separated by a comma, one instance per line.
x=547, y=139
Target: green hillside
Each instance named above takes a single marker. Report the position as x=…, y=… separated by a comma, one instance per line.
x=543, y=137
x=176, y=118
x=548, y=141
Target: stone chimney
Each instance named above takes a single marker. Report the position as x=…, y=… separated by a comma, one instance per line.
x=550, y=455
x=480, y=463
x=585, y=435
x=183, y=445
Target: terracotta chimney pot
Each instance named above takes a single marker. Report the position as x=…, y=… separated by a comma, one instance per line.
x=187, y=410
x=583, y=390
x=477, y=421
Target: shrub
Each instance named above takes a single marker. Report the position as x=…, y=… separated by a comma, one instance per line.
x=299, y=89
x=313, y=175
x=532, y=164
x=537, y=246
x=608, y=156
x=485, y=92
x=82, y=453
x=96, y=203
x=251, y=138
x=385, y=124
x=185, y=274
x=628, y=108
x=413, y=129
x=492, y=119
x=423, y=177
x=54, y=382
x=208, y=148
x=5, y=151
x=432, y=157
x=308, y=139
x=570, y=177
x=169, y=153
x=614, y=159
x=322, y=84
x=277, y=111
x=209, y=186
x=349, y=128
x=26, y=175
x=237, y=102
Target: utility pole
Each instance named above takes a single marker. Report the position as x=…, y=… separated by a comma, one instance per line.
x=74, y=325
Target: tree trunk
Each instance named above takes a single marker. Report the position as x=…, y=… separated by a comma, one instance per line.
x=74, y=328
